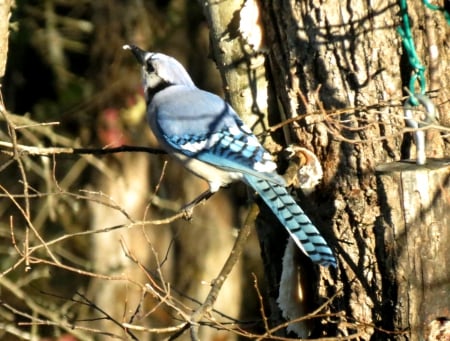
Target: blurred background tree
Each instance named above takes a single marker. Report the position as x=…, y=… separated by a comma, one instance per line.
x=66, y=65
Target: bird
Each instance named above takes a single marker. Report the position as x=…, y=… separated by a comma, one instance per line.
x=203, y=132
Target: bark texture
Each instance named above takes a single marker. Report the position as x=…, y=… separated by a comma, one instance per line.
x=328, y=56
x=339, y=67
x=236, y=35
x=416, y=236
x=5, y=12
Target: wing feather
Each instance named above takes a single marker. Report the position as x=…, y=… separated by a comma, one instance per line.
x=203, y=126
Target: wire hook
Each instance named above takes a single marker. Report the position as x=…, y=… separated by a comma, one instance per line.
x=418, y=119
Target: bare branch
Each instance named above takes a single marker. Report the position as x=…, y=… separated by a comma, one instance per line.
x=46, y=151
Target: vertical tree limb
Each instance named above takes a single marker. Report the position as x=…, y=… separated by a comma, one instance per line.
x=5, y=13
x=233, y=24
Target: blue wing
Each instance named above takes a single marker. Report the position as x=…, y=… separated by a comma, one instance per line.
x=203, y=126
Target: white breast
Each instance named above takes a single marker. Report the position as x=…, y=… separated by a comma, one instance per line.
x=214, y=176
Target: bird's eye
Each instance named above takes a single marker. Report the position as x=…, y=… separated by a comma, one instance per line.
x=150, y=68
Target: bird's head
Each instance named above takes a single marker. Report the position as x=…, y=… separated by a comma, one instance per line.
x=159, y=70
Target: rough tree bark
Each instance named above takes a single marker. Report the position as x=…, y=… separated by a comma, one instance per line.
x=324, y=58
x=341, y=55
x=238, y=49
x=415, y=215
x=5, y=12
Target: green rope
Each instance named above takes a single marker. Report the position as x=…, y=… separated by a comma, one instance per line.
x=414, y=61
x=408, y=44
x=438, y=8
x=418, y=74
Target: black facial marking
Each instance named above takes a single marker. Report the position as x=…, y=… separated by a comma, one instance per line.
x=151, y=92
x=149, y=66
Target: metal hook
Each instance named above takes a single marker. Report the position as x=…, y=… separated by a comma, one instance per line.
x=416, y=120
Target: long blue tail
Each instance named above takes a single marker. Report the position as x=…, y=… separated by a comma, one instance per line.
x=296, y=222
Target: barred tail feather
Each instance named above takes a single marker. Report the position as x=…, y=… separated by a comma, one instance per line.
x=296, y=222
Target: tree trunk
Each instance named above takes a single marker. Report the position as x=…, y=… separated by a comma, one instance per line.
x=5, y=13
x=238, y=46
x=415, y=237
x=342, y=55
x=339, y=68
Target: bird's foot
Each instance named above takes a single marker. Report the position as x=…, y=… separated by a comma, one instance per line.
x=188, y=209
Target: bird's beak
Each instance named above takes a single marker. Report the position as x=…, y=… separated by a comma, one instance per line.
x=138, y=53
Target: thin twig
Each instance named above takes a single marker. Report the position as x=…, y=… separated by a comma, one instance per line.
x=51, y=314
x=233, y=257
x=108, y=316
x=26, y=254
x=261, y=305
x=17, y=157
x=45, y=151
x=46, y=245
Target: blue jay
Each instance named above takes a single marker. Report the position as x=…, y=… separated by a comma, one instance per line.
x=204, y=133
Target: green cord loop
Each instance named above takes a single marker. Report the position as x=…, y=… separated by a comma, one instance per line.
x=418, y=74
x=438, y=8
x=414, y=61
x=408, y=44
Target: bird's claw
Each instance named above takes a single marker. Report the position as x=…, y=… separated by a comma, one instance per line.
x=188, y=211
